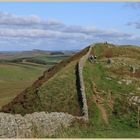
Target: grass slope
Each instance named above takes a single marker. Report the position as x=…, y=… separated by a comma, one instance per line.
x=14, y=78
x=122, y=119
x=55, y=90
x=59, y=93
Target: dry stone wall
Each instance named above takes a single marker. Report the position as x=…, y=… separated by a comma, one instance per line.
x=33, y=125
x=82, y=86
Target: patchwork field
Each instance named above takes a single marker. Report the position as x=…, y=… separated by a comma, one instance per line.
x=16, y=74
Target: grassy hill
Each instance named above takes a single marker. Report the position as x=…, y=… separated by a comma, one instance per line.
x=109, y=81
x=109, y=112
x=55, y=90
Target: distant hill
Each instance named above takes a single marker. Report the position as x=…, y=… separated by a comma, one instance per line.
x=33, y=53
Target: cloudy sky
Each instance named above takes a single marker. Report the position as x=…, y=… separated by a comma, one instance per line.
x=67, y=25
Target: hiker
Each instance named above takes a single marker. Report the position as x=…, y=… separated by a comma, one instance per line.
x=91, y=58
x=132, y=69
x=109, y=61
x=95, y=57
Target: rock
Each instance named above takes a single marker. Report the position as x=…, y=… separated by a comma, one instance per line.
x=119, y=82
x=124, y=64
x=138, y=88
x=109, y=46
x=131, y=93
x=108, y=78
x=134, y=99
x=127, y=82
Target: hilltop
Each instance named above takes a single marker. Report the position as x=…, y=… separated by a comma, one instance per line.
x=111, y=86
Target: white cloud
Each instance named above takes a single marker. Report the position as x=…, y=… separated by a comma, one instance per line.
x=10, y=19
x=32, y=30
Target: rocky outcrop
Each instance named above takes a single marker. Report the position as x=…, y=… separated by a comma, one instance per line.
x=134, y=100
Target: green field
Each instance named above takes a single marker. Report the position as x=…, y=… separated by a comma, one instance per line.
x=51, y=58
x=17, y=76
x=14, y=78
x=41, y=59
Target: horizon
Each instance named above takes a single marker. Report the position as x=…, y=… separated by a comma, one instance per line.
x=63, y=49
x=38, y=50
x=25, y=26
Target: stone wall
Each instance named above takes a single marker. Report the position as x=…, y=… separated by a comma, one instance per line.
x=82, y=86
x=33, y=125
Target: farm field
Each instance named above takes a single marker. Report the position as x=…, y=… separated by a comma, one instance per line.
x=16, y=74
x=14, y=78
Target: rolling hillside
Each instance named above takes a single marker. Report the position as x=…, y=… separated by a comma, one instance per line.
x=111, y=86
x=16, y=74
x=14, y=78
x=63, y=76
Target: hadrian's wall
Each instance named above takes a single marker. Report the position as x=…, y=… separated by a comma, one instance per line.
x=42, y=124
x=82, y=86
x=33, y=125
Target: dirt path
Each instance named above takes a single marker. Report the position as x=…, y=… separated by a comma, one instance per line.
x=99, y=102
